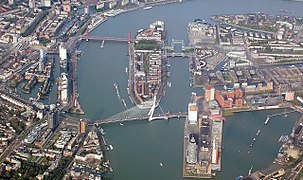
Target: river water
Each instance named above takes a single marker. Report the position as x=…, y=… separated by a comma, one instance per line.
x=140, y=146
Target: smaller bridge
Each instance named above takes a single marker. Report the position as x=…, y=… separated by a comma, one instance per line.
x=99, y=38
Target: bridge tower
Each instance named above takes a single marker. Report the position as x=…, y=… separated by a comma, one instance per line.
x=86, y=36
x=129, y=37
x=152, y=110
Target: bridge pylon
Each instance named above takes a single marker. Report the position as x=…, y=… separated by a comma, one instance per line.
x=129, y=37
x=86, y=35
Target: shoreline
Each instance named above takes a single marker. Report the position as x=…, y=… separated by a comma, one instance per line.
x=136, y=7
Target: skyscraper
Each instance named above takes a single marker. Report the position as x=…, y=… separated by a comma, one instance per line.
x=42, y=60
x=82, y=126
x=53, y=120
x=192, y=151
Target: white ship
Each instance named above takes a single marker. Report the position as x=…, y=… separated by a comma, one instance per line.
x=148, y=7
x=258, y=132
x=266, y=120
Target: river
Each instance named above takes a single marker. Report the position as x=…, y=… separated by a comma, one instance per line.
x=140, y=146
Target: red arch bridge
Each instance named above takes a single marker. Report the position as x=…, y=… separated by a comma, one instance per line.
x=117, y=39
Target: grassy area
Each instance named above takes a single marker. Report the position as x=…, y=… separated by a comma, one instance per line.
x=230, y=112
x=226, y=78
x=147, y=45
x=29, y=170
x=227, y=113
x=18, y=125
x=60, y=171
x=292, y=163
x=198, y=80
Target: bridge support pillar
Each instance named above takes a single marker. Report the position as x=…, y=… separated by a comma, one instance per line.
x=129, y=37
x=86, y=36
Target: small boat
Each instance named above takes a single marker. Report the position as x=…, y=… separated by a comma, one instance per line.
x=266, y=120
x=169, y=84
x=110, y=147
x=121, y=124
x=123, y=101
x=148, y=7
x=249, y=172
x=239, y=178
x=161, y=164
x=285, y=115
x=102, y=131
x=253, y=142
x=102, y=45
x=126, y=70
x=258, y=132
x=140, y=30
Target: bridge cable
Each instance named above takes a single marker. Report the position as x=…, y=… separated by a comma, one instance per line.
x=161, y=110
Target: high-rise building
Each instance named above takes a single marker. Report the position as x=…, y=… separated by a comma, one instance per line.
x=209, y=94
x=228, y=103
x=212, y=94
x=62, y=52
x=42, y=54
x=100, y=5
x=42, y=60
x=82, y=126
x=192, y=113
x=239, y=102
x=192, y=151
x=219, y=98
x=124, y=2
x=53, y=120
x=238, y=93
x=112, y=4
x=10, y=2
x=46, y=3
x=230, y=94
x=31, y=4
x=290, y=95
x=86, y=10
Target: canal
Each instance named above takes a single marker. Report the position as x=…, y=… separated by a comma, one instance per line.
x=140, y=146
